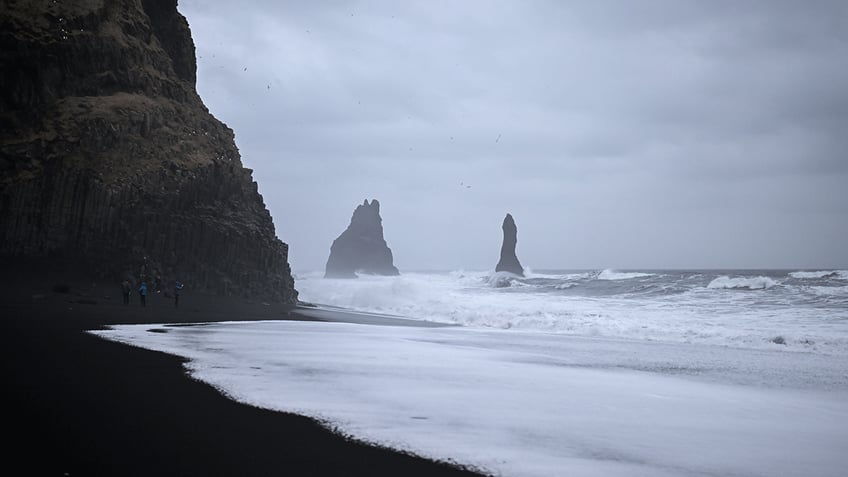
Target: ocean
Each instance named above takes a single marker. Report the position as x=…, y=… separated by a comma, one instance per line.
x=583, y=373
x=791, y=310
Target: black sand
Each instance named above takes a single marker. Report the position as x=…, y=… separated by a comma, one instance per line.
x=84, y=406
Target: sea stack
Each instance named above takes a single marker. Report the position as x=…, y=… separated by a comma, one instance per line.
x=361, y=247
x=111, y=166
x=509, y=262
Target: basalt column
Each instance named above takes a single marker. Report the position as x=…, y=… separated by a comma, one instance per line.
x=111, y=166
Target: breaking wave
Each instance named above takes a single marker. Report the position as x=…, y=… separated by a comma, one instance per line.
x=750, y=283
x=503, y=280
x=683, y=306
x=614, y=275
x=830, y=291
x=818, y=274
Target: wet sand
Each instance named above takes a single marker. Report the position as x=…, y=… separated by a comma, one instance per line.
x=84, y=406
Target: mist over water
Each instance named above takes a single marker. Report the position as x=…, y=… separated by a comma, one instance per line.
x=792, y=310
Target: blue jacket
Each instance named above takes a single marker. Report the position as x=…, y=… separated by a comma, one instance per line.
x=143, y=289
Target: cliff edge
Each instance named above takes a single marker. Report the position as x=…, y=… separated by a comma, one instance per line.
x=111, y=165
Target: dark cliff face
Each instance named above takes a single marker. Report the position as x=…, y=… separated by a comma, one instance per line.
x=361, y=247
x=110, y=161
x=509, y=261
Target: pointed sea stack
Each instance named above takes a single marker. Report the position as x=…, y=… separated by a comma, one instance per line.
x=509, y=262
x=111, y=166
x=361, y=247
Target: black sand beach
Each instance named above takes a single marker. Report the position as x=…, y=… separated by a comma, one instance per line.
x=84, y=406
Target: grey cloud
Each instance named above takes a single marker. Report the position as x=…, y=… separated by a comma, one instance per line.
x=620, y=134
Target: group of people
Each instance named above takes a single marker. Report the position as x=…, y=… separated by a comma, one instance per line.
x=126, y=287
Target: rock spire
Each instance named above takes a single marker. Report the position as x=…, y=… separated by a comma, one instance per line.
x=361, y=247
x=509, y=261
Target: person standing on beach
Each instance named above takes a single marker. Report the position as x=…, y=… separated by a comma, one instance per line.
x=177, y=287
x=125, y=289
x=142, y=293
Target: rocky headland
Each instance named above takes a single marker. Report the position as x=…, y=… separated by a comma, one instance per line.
x=509, y=261
x=361, y=247
x=110, y=164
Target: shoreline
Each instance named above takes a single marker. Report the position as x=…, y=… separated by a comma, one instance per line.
x=88, y=406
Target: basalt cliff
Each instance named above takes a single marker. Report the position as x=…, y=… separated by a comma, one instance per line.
x=361, y=247
x=111, y=165
x=509, y=261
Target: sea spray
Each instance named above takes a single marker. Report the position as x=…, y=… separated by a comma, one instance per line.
x=730, y=308
x=751, y=283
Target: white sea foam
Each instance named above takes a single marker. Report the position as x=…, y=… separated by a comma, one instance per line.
x=563, y=276
x=750, y=283
x=818, y=274
x=503, y=280
x=557, y=374
x=559, y=305
x=532, y=404
x=609, y=274
x=830, y=291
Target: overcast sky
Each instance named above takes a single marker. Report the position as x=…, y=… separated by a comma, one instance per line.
x=626, y=135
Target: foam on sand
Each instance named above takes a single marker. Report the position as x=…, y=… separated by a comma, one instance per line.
x=532, y=404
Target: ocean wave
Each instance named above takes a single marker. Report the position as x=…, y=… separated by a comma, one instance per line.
x=750, y=283
x=503, y=280
x=830, y=291
x=562, y=276
x=609, y=274
x=672, y=312
x=818, y=274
